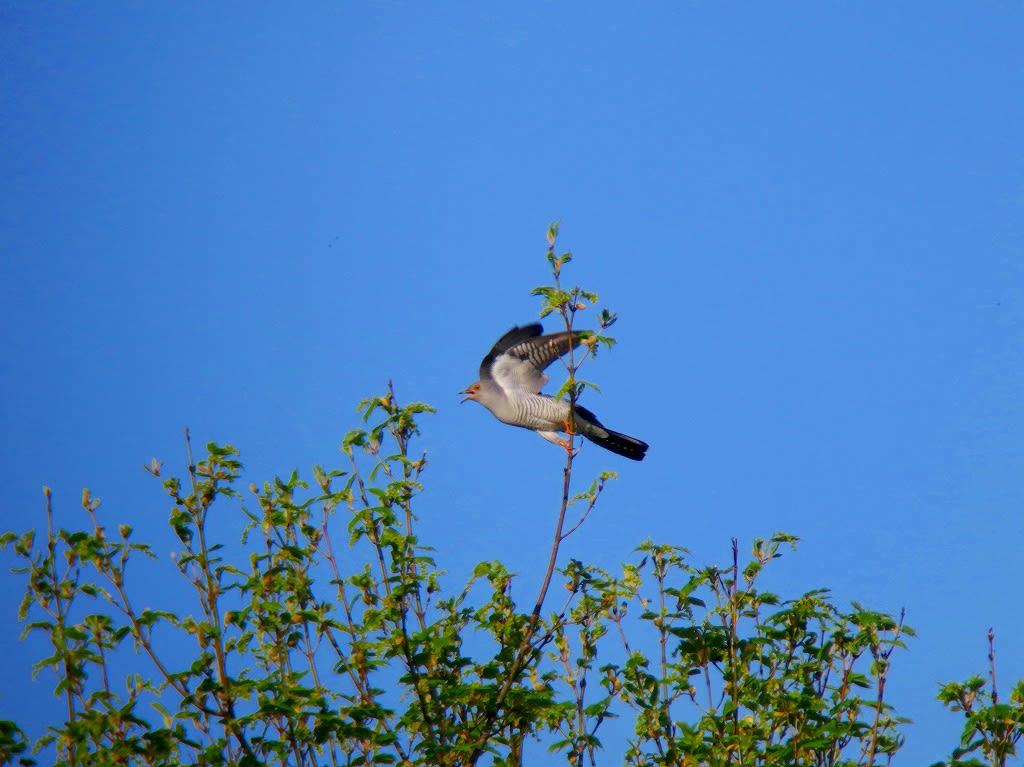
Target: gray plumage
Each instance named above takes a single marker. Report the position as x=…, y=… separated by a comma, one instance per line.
x=511, y=377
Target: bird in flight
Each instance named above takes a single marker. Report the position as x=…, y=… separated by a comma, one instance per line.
x=511, y=377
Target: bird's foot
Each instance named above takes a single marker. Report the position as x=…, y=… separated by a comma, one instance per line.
x=567, y=444
x=567, y=427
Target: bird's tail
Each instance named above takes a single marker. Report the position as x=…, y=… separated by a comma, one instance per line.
x=624, y=445
x=616, y=442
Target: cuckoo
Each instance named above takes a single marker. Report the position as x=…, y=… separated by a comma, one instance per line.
x=511, y=377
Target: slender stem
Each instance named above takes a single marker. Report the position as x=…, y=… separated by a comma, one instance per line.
x=531, y=629
x=525, y=646
x=663, y=629
x=372, y=531
x=707, y=685
x=992, y=665
x=556, y=543
x=210, y=591
x=590, y=507
x=882, y=658
x=359, y=680
x=61, y=613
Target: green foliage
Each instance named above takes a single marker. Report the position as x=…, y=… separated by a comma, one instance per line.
x=299, y=647
x=734, y=675
x=12, y=741
x=991, y=729
x=330, y=635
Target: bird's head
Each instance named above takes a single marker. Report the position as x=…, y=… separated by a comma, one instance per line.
x=472, y=393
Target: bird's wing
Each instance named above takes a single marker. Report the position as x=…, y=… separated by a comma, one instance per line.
x=518, y=359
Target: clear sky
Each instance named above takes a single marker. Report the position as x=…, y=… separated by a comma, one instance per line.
x=809, y=217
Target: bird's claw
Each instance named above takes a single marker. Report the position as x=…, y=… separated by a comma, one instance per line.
x=567, y=442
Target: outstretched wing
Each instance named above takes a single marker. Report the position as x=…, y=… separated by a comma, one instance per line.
x=518, y=359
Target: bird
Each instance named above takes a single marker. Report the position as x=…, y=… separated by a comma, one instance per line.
x=511, y=377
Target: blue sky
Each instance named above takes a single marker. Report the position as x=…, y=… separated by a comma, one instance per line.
x=809, y=217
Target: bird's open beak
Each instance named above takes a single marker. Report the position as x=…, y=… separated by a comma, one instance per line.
x=467, y=392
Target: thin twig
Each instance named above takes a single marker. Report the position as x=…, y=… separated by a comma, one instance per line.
x=992, y=665
x=525, y=646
